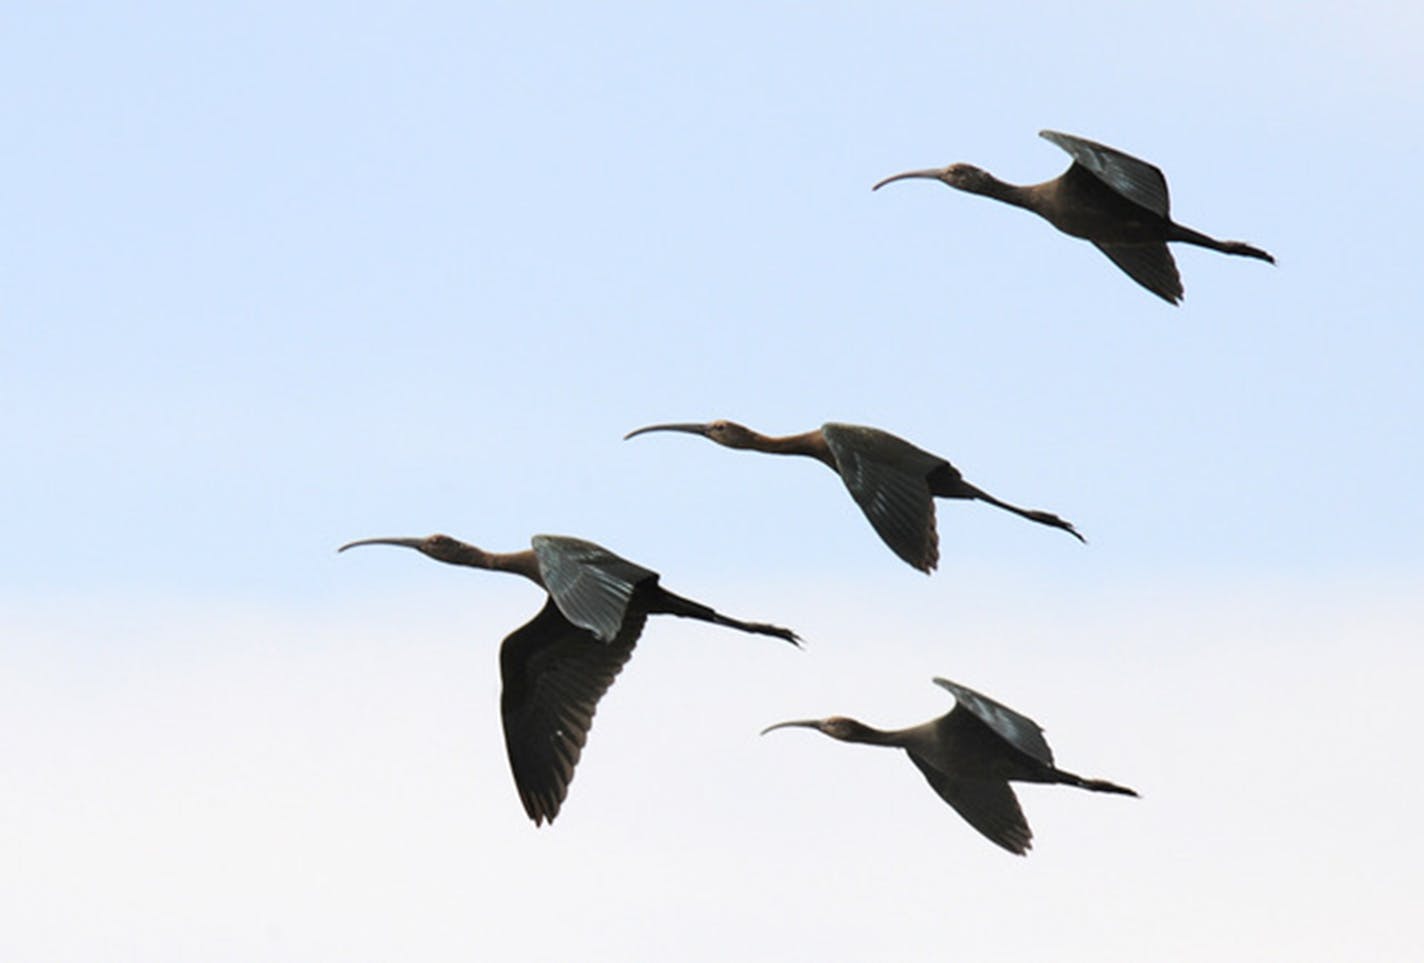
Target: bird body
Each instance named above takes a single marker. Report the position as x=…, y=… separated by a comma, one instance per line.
x=555, y=668
x=969, y=756
x=894, y=482
x=1113, y=199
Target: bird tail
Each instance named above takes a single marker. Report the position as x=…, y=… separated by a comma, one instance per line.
x=669, y=603
x=1095, y=785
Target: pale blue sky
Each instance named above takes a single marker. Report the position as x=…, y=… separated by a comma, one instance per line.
x=277, y=276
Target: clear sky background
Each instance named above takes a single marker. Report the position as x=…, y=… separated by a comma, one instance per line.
x=277, y=276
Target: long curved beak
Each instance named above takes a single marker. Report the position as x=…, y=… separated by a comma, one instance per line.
x=930, y=173
x=414, y=543
x=803, y=723
x=691, y=428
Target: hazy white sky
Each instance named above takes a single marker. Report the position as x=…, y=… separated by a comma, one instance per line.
x=278, y=276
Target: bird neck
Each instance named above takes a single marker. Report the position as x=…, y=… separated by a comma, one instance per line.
x=811, y=444
x=1015, y=194
x=524, y=563
x=520, y=563
x=858, y=731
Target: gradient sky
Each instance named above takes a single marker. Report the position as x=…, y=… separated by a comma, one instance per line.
x=278, y=276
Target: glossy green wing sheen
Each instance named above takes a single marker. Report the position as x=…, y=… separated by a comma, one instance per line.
x=589, y=583
x=1138, y=181
x=990, y=806
x=554, y=673
x=888, y=478
x=1017, y=730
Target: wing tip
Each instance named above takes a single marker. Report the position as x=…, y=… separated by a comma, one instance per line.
x=1015, y=845
x=1057, y=138
x=541, y=807
x=952, y=688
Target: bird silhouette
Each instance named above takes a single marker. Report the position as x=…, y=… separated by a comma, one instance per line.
x=969, y=756
x=1113, y=199
x=893, y=482
x=556, y=667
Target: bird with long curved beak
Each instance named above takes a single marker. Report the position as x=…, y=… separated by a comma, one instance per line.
x=556, y=667
x=1113, y=199
x=894, y=482
x=969, y=756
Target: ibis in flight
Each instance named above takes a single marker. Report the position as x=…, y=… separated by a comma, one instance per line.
x=1110, y=198
x=970, y=755
x=894, y=482
x=556, y=667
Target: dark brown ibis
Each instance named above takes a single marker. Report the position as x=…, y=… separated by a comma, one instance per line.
x=1110, y=198
x=970, y=755
x=556, y=667
x=894, y=482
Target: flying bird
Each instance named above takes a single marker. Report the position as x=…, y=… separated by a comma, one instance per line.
x=1110, y=198
x=894, y=482
x=969, y=756
x=556, y=667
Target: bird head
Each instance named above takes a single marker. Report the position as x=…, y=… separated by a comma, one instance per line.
x=837, y=727
x=442, y=548
x=723, y=432
x=965, y=177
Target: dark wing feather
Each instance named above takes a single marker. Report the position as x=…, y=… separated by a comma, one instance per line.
x=1150, y=265
x=1138, y=181
x=554, y=673
x=888, y=478
x=1017, y=730
x=989, y=806
x=589, y=583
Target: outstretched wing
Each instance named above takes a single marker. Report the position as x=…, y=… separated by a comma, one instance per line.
x=1138, y=181
x=554, y=673
x=589, y=583
x=888, y=478
x=989, y=806
x=1150, y=265
x=1017, y=730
